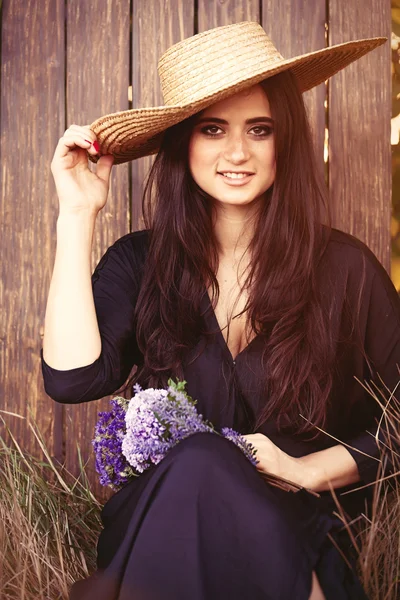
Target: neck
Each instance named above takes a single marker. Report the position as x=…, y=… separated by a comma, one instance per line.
x=234, y=229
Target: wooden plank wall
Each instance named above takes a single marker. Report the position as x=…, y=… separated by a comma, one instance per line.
x=360, y=171
x=97, y=84
x=31, y=121
x=108, y=47
x=297, y=28
x=155, y=26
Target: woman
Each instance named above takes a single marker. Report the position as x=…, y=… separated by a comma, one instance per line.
x=238, y=287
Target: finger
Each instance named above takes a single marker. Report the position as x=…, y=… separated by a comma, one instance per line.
x=73, y=141
x=68, y=143
x=83, y=130
x=104, y=166
x=94, y=146
x=84, y=135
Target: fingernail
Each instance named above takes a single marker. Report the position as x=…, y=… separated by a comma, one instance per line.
x=96, y=146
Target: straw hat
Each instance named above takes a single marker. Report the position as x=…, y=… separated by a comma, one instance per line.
x=207, y=67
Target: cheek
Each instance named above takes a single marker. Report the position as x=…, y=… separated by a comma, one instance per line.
x=269, y=160
x=195, y=155
x=200, y=156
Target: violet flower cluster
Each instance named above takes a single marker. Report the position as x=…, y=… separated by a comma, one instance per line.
x=246, y=447
x=138, y=433
x=156, y=420
x=111, y=464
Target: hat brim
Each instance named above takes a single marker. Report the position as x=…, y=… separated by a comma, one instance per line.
x=138, y=132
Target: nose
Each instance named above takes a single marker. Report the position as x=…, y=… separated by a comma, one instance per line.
x=236, y=150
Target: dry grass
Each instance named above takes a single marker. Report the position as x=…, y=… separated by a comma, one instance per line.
x=378, y=541
x=49, y=525
x=379, y=545
x=379, y=556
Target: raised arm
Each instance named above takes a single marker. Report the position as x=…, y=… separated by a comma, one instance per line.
x=71, y=332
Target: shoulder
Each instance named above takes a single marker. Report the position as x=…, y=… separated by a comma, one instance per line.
x=131, y=247
x=357, y=268
x=127, y=255
x=349, y=255
x=132, y=244
x=351, y=250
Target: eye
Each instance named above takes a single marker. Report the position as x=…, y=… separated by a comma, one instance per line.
x=262, y=131
x=207, y=130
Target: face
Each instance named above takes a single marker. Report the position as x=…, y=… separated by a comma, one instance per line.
x=232, y=148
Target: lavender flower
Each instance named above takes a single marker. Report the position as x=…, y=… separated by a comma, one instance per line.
x=156, y=420
x=111, y=465
x=139, y=432
x=246, y=447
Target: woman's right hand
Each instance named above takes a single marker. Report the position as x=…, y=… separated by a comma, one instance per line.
x=79, y=188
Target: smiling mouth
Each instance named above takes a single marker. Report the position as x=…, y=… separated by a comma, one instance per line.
x=232, y=175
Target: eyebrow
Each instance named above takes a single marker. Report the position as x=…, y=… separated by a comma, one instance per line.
x=248, y=121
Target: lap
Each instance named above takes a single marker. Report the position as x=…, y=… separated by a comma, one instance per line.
x=204, y=524
x=208, y=470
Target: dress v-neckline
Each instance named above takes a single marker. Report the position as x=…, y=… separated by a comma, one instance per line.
x=218, y=331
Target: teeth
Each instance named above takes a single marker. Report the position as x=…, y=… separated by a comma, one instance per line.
x=235, y=175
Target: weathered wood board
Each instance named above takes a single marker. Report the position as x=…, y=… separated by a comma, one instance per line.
x=31, y=120
x=360, y=172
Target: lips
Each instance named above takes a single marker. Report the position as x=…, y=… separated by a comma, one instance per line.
x=235, y=173
x=235, y=181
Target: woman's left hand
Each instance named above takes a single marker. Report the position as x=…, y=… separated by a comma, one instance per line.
x=275, y=461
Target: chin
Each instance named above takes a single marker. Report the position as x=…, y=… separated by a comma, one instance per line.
x=236, y=201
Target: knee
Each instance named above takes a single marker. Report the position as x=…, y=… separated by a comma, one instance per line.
x=204, y=452
x=203, y=445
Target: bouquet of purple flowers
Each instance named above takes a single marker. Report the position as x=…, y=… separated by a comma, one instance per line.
x=139, y=432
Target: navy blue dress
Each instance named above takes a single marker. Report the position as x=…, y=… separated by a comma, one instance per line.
x=204, y=524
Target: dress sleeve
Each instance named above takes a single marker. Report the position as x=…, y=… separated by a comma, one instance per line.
x=115, y=283
x=380, y=324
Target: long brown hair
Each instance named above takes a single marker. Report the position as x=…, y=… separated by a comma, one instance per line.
x=283, y=299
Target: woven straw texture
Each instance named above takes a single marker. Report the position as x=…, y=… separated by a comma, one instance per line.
x=209, y=67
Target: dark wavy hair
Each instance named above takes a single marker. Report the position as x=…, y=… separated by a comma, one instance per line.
x=289, y=239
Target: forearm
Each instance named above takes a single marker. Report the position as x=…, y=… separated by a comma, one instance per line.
x=330, y=467
x=71, y=333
